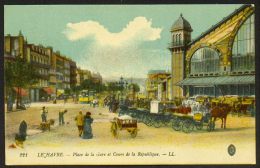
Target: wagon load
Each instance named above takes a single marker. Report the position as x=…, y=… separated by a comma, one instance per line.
x=124, y=122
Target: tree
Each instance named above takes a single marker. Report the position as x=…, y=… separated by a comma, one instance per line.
x=67, y=91
x=135, y=88
x=76, y=89
x=112, y=87
x=87, y=84
x=20, y=74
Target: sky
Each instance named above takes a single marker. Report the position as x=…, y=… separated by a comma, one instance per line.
x=114, y=40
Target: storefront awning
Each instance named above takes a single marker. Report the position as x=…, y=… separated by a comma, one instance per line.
x=48, y=90
x=23, y=92
x=220, y=80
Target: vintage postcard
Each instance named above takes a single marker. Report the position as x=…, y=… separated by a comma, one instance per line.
x=129, y=84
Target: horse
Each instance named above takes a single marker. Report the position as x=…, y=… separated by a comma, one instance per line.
x=221, y=111
x=240, y=108
x=183, y=110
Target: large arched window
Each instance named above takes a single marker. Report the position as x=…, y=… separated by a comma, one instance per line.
x=205, y=60
x=243, y=50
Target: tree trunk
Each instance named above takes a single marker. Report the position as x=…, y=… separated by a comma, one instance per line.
x=17, y=98
x=20, y=96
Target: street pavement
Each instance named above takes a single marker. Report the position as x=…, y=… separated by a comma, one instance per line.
x=240, y=131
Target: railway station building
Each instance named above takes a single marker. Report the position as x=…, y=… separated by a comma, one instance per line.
x=221, y=61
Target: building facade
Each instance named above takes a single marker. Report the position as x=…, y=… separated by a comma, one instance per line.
x=40, y=57
x=153, y=88
x=57, y=72
x=73, y=74
x=82, y=74
x=15, y=45
x=220, y=61
x=96, y=78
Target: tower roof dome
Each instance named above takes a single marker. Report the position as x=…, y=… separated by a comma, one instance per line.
x=181, y=24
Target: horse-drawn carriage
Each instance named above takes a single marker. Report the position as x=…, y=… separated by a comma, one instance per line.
x=183, y=117
x=124, y=123
x=239, y=105
x=190, y=115
x=187, y=122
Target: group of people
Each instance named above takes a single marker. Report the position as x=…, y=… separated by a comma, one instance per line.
x=61, y=115
x=83, y=122
x=84, y=125
x=112, y=103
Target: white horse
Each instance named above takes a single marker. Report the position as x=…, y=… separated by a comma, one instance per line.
x=195, y=106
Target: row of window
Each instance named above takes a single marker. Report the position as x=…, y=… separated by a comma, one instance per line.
x=205, y=60
x=67, y=65
x=67, y=72
x=39, y=59
x=59, y=77
x=43, y=71
x=40, y=50
x=243, y=63
x=42, y=83
x=66, y=79
x=177, y=38
x=243, y=52
x=205, y=66
x=63, y=78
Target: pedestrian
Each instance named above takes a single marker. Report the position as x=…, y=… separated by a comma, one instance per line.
x=44, y=114
x=9, y=104
x=95, y=103
x=110, y=105
x=65, y=99
x=23, y=129
x=54, y=100
x=61, y=116
x=80, y=122
x=21, y=136
x=87, y=131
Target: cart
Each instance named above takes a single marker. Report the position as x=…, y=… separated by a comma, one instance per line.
x=124, y=124
x=187, y=122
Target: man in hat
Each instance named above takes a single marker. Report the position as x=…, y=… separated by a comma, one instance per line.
x=87, y=131
x=80, y=122
x=44, y=114
x=61, y=116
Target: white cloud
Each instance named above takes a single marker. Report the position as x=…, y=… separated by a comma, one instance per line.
x=138, y=30
x=119, y=54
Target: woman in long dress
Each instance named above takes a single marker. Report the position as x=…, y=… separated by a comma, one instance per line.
x=87, y=131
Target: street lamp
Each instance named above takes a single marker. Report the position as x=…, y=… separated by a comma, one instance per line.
x=122, y=85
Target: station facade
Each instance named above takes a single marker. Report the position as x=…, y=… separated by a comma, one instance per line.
x=221, y=61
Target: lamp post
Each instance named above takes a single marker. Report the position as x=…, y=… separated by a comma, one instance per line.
x=122, y=85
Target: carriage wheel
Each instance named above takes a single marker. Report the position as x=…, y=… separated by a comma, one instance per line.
x=149, y=121
x=210, y=126
x=177, y=124
x=114, y=130
x=187, y=126
x=146, y=121
x=199, y=125
x=156, y=124
x=134, y=133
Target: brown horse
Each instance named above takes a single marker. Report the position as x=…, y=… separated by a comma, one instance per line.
x=183, y=110
x=240, y=108
x=221, y=111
